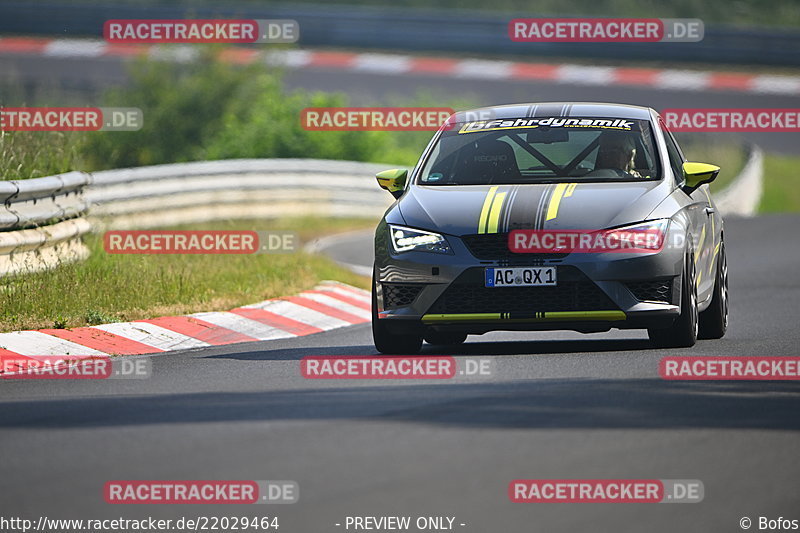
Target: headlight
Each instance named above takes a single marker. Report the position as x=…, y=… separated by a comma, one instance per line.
x=407, y=239
x=648, y=235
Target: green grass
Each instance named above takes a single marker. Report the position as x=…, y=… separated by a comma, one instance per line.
x=306, y=227
x=781, y=172
x=781, y=184
x=209, y=109
x=25, y=155
x=115, y=287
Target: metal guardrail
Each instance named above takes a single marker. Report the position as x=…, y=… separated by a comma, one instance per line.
x=65, y=207
x=411, y=29
x=37, y=202
x=743, y=194
x=237, y=188
x=166, y=195
x=41, y=222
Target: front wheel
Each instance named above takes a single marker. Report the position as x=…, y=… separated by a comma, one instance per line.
x=388, y=340
x=714, y=320
x=683, y=332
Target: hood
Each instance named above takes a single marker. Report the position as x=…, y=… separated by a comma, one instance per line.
x=470, y=209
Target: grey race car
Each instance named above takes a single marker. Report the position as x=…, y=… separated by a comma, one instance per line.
x=445, y=266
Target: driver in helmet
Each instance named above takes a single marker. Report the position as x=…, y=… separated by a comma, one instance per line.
x=617, y=151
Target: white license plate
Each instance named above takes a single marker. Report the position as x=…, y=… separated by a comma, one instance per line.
x=521, y=277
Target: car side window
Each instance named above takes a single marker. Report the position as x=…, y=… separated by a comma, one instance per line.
x=675, y=157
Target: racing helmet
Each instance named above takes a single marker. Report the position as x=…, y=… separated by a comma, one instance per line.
x=617, y=150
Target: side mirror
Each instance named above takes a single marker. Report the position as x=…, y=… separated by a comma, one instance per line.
x=393, y=180
x=696, y=174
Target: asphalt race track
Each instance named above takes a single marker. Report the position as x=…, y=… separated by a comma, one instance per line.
x=559, y=405
x=367, y=87
x=84, y=76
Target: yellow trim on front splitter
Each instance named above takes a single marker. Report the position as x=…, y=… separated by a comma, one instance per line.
x=547, y=316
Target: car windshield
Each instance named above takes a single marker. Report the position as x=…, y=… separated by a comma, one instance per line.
x=542, y=150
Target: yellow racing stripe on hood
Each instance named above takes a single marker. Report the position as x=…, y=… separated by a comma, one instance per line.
x=555, y=200
x=487, y=205
x=494, y=213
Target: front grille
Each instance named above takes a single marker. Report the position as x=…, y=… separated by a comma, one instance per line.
x=399, y=295
x=651, y=290
x=574, y=292
x=494, y=246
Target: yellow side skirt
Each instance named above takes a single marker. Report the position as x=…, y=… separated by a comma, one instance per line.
x=549, y=316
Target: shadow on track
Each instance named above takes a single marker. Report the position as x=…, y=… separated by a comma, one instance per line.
x=551, y=404
x=544, y=347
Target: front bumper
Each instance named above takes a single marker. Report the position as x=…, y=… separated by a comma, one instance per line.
x=595, y=292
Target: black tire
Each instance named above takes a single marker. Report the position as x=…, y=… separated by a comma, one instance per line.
x=714, y=320
x=387, y=340
x=445, y=339
x=683, y=331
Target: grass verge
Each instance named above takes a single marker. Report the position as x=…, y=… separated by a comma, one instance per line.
x=113, y=288
x=730, y=157
x=781, y=184
x=33, y=154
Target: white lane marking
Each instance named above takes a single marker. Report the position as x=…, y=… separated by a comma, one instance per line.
x=153, y=335
x=301, y=314
x=38, y=343
x=480, y=68
x=243, y=325
x=345, y=286
x=289, y=58
x=390, y=64
x=366, y=298
x=682, y=79
x=470, y=68
x=74, y=48
x=177, y=53
x=585, y=75
x=776, y=84
x=338, y=304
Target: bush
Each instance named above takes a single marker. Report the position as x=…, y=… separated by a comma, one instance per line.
x=209, y=109
x=183, y=106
